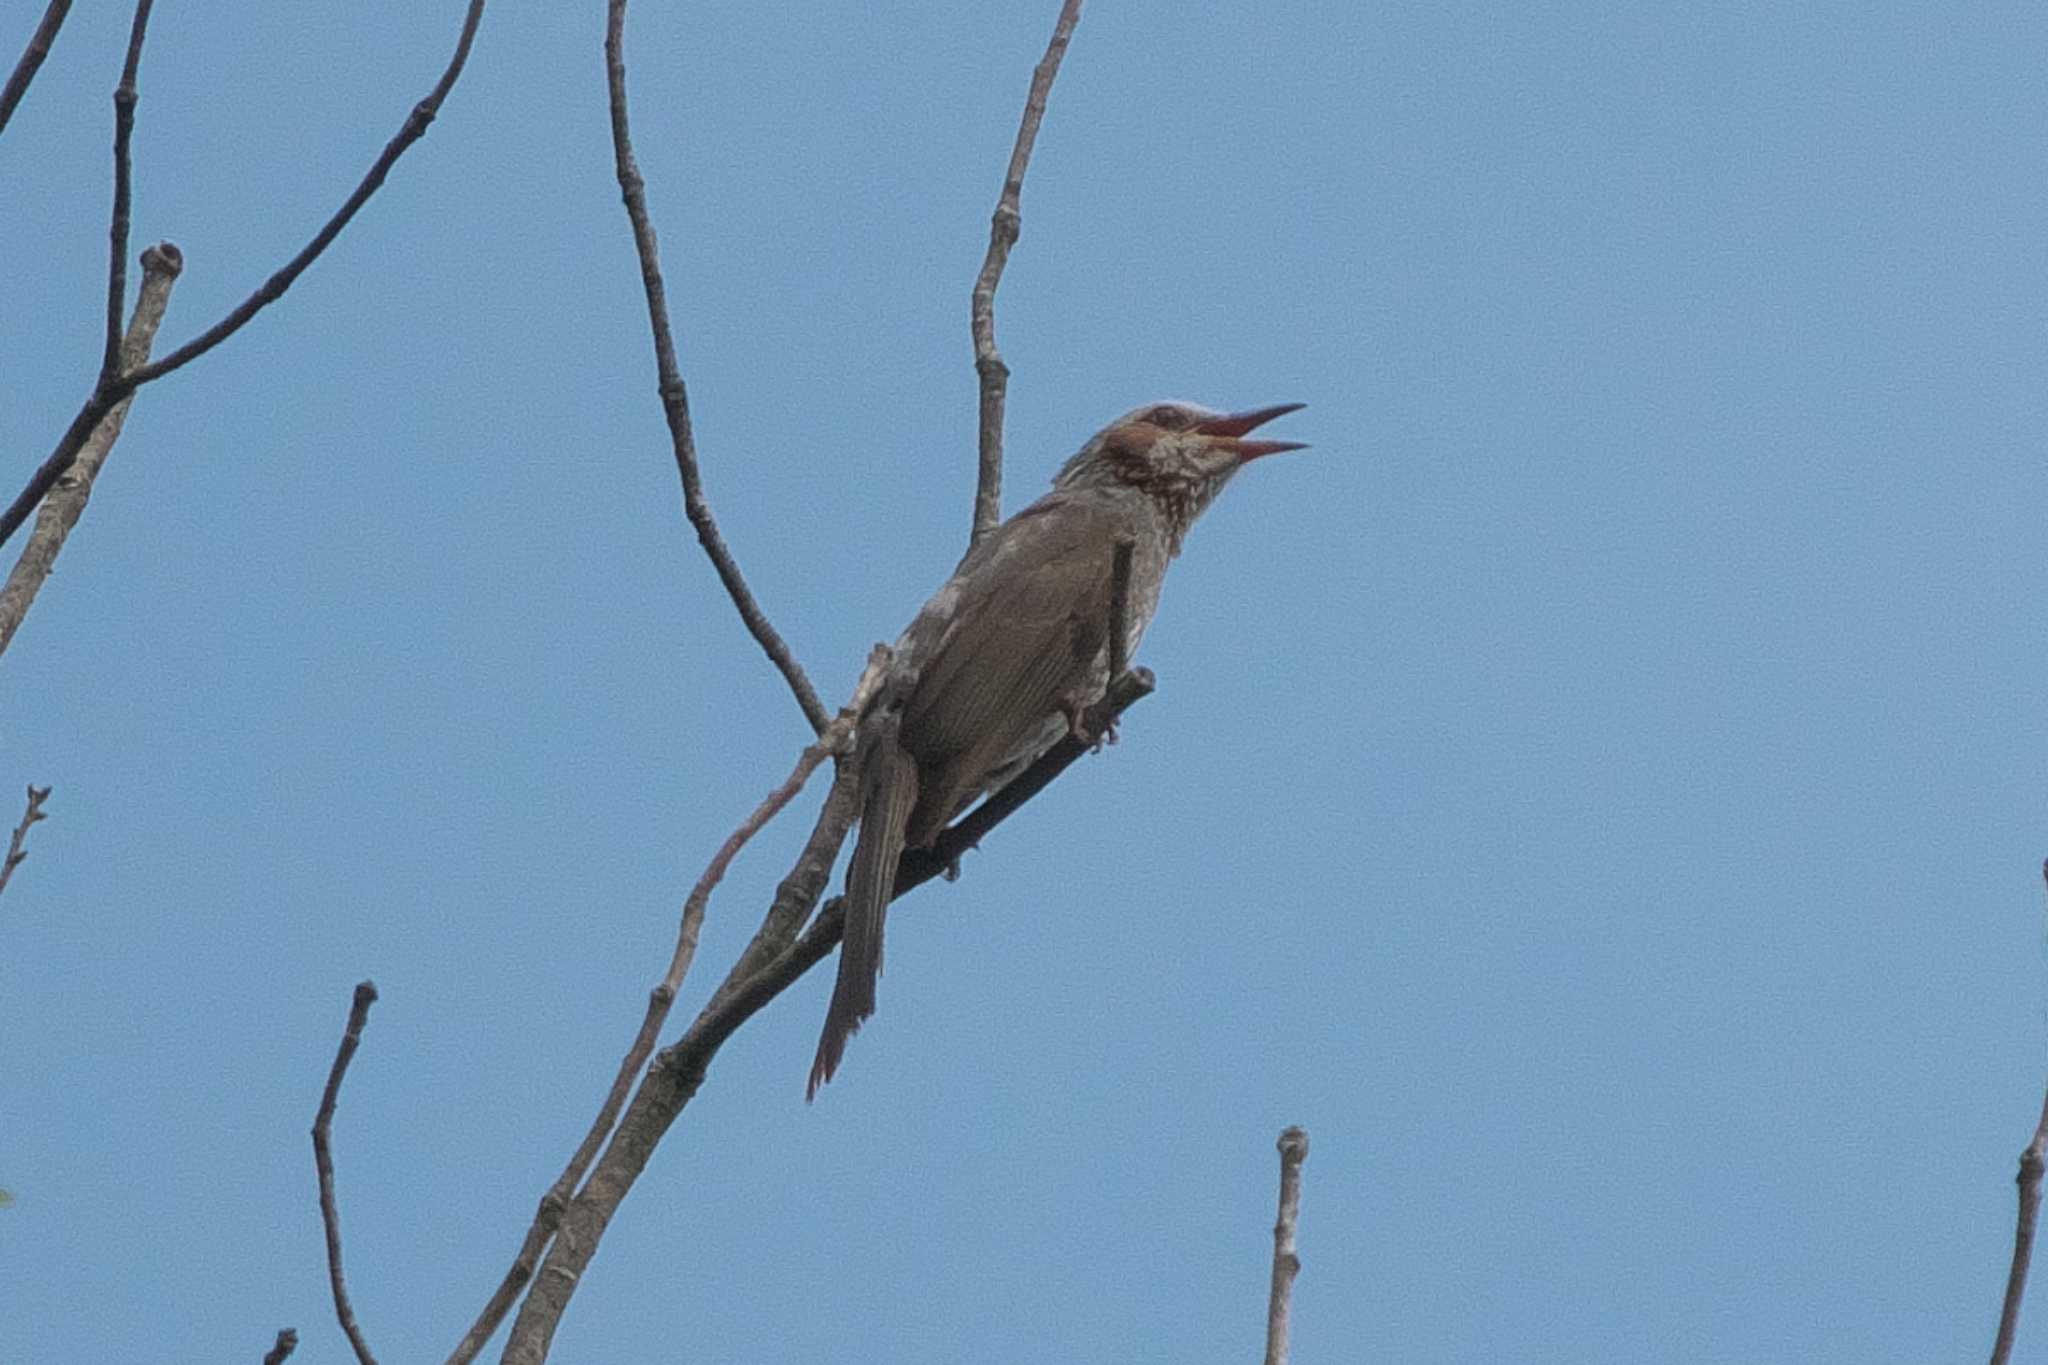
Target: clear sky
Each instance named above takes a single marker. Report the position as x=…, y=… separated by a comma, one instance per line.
x=1598, y=790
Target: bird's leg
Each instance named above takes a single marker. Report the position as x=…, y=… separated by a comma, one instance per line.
x=1075, y=707
x=1076, y=713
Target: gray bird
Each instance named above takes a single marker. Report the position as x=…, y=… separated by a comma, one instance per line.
x=1004, y=659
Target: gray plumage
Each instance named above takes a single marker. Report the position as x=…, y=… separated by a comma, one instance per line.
x=1009, y=652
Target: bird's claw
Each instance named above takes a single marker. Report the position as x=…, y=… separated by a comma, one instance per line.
x=1079, y=728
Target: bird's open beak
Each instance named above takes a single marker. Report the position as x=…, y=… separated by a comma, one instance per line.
x=1233, y=425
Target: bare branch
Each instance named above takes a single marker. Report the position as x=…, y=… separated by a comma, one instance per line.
x=2032, y=1161
x=32, y=58
x=15, y=852
x=675, y=398
x=1286, y=1265
x=112, y=389
x=323, y=1162
x=281, y=1350
x=66, y=503
x=117, y=229
x=993, y=374
x=659, y=1002
x=679, y=1069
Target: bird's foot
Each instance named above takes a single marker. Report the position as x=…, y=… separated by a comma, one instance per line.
x=1078, y=727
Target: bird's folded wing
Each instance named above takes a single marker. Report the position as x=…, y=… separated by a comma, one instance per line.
x=1031, y=617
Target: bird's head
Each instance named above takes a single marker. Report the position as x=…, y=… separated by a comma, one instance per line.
x=1179, y=453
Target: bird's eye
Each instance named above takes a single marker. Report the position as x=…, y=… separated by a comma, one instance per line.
x=1172, y=418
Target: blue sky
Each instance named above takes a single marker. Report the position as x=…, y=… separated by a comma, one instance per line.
x=1598, y=790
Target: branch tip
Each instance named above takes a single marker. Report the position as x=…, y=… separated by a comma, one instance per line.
x=1005, y=225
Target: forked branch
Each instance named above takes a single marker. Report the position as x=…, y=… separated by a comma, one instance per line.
x=112, y=388
x=61, y=510
x=662, y=998
x=680, y=1069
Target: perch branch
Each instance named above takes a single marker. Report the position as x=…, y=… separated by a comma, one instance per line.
x=32, y=58
x=675, y=398
x=323, y=1162
x=15, y=852
x=60, y=511
x=679, y=1069
x=993, y=375
x=920, y=865
x=111, y=389
x=1286, y=1265
x=281, y=1350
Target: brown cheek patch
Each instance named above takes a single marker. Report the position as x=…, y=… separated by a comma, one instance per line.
x=1128, y=443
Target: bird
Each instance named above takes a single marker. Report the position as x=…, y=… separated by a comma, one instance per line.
x=1011, y=651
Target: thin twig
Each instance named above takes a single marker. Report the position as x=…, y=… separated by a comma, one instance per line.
x=2032, y=1162
x=60, y=511
x=680, y=1069
x=281, y=1350
x=32, y=58
x=675, y=398
x=659, y=1001
x=117, y=228
x=1286, y=1265
x=106, y=395
x=15, y=852
x=323, y=1162
x=1008, y=220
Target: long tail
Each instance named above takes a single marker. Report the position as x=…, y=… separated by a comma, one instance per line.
x=889, y=782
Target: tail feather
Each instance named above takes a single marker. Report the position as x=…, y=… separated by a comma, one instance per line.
x=889, y=782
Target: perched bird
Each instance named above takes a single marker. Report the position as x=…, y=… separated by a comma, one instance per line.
x=1008, y=654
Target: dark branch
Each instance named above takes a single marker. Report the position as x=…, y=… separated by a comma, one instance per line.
x=281, y=1350
x=989, y=369
x=323, y=1162
x=15, y=852
x=109, y=393
x=675, y=398
x=32, y=58
x=921, y=865
x=2032, y=1161
x=117, y=228
x=679, y=1070
x=1286, y=1265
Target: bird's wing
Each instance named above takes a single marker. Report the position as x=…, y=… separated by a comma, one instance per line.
x=1031, y=615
